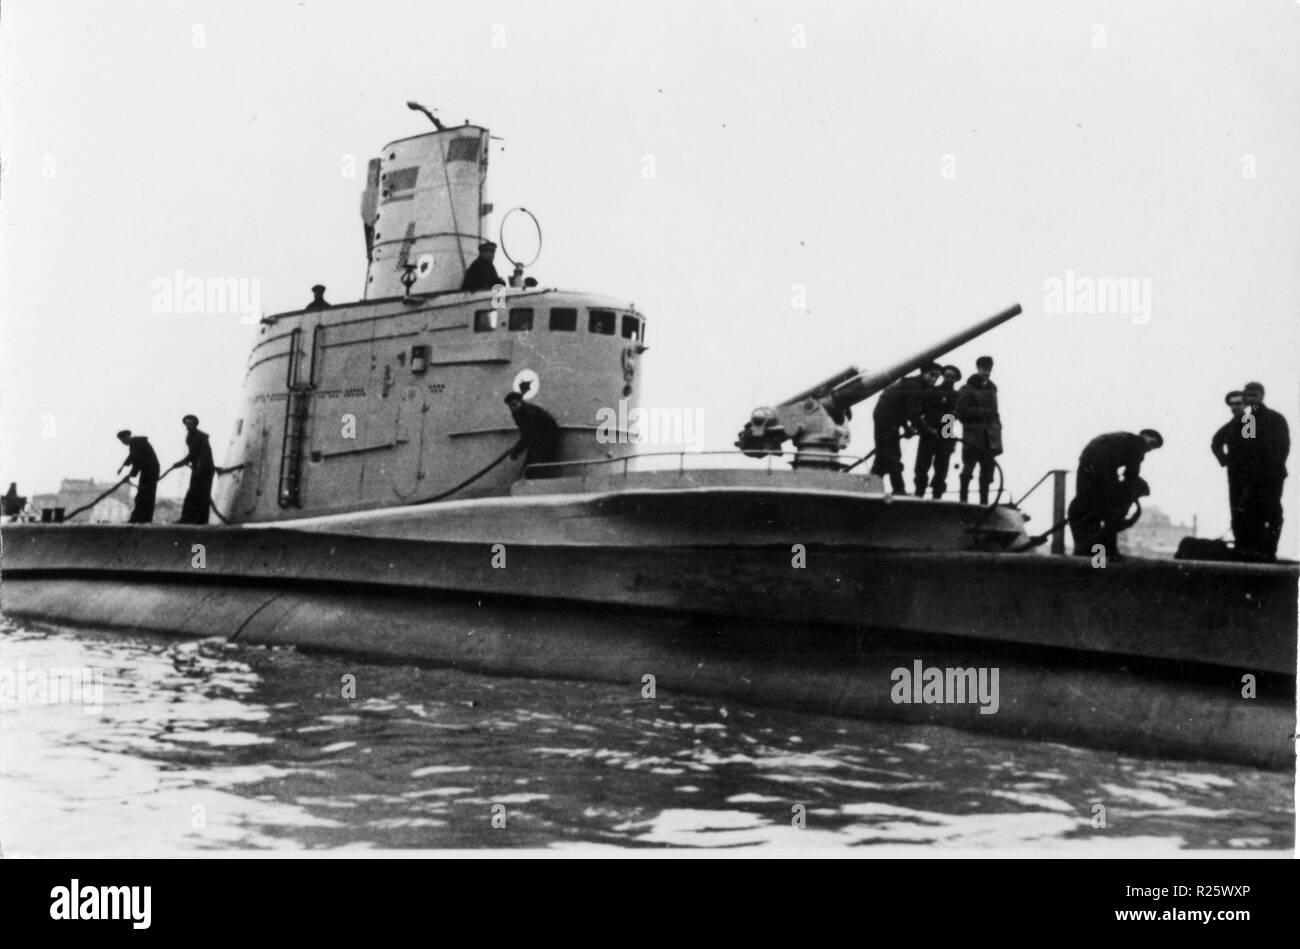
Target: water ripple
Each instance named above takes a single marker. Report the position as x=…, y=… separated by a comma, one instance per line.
x=203, y=745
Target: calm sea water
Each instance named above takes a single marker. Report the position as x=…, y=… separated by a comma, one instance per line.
x=205, y=746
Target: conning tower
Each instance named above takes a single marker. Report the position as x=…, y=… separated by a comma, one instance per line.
x=425, y=211
x=397, y=398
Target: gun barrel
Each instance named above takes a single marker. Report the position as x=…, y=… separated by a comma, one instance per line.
x=864, y=385
x=825, y=386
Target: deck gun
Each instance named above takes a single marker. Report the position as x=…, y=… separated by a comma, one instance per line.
x=814, y=419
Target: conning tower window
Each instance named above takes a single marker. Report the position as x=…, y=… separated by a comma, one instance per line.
x=564, y=319
x=485, y=321
x=521, y=318
x=632, y=327
x=601, y=321
x=463, y=149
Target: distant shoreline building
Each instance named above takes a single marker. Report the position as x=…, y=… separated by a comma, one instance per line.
x=114, y=509
x=74, y=492
x=1155, y=535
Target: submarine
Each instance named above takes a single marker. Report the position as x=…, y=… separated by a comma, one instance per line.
x=369, y=505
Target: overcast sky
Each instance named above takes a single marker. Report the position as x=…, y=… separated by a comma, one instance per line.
x=911, y=166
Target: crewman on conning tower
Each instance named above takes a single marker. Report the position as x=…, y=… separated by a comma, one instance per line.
x=482, y=273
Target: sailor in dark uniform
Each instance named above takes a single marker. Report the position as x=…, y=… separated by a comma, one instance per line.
x=1227, y=452
x=898, y=410
x=318, y=301
x=198, y=499
x=939, y=402
x=1102, y=497
x=981, y=430
x=482, y=274
x=539, y=434
x=144, y=462
x=12, y=504
x=1262, y=472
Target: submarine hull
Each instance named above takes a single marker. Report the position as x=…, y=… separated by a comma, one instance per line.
x=1181, y=659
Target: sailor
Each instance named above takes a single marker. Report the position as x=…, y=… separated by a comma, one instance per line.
x=938, y=403
x=539, y=434
x=898, y=410
x=318, y=299
x=482, y=274
x=12, y=503
x=1227, y=452
x=1264, y=445
x=1102, y=497
x=143, y=461
x=198, y=499
x=981, y=429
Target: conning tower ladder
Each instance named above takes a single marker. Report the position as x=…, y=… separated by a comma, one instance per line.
x=297, y=409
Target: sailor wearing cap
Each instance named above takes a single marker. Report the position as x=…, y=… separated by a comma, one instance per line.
x=1102, y=498
x=1226, y=446
x=318, y=301
x=1264, y=446
x=899, y=409
x=482, y=275
x=539, y=433
x=938, y=405
x=198, y=499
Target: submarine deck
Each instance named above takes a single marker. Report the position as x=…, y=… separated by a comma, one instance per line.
x=702, y=586
x=719, y=553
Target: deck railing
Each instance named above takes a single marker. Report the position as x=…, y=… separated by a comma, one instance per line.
x=1058, y=476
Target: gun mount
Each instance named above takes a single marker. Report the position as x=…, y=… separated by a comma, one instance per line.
x=814, y=418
